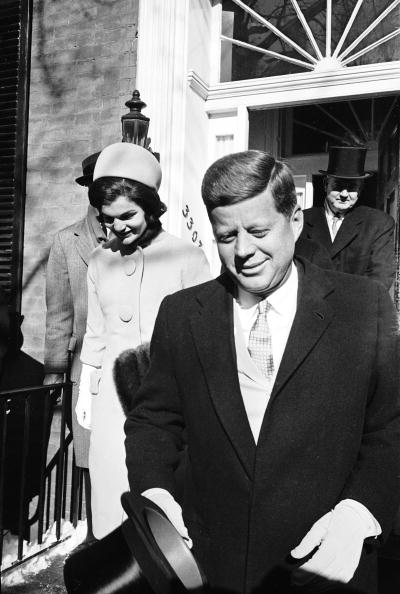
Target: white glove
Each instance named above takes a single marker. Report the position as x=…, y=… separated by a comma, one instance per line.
x=83, y=408
x=340, y=535
x=172, y=510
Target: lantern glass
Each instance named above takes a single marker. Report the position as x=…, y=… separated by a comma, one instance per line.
x=135, y=130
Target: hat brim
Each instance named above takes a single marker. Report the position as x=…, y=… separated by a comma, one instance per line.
x=84, y=180
x=161, y=552
x=366, y=174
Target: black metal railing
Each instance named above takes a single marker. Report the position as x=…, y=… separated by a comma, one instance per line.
x=37, y=489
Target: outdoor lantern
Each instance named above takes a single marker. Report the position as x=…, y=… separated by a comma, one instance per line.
x=135, y=125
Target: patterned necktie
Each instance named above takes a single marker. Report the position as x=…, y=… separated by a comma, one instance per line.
x=260, y=342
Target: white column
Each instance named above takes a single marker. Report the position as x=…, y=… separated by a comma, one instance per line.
x=161, y=80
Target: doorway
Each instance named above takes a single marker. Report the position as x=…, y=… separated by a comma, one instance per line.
x=301, y=135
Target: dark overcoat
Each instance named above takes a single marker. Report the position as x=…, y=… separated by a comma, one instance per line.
x=330, y=430
x=363, y=245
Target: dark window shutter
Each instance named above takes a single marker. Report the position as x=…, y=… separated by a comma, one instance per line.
x=15, y=34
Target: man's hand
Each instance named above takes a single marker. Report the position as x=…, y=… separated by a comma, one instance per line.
x=53, y=378
x=172, y=510
x=339, y=536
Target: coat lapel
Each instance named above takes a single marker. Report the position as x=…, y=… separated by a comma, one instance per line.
x=317, y=228
x=313, y=317
x=348, y=230
x=84, y=243
x=213, y=333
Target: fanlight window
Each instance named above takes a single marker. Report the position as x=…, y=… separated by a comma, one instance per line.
x=274, y=37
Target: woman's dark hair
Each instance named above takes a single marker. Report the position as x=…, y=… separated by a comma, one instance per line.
x=105, y=190
x=244, y=175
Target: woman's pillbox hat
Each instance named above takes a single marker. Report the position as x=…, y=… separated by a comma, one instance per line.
x=124, y=159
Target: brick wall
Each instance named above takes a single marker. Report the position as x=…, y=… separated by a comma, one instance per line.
x=83, y=71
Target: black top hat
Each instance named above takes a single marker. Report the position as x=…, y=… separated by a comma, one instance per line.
x=161, y=552
x=347, y=162
x=87, y=169
x=145, y=555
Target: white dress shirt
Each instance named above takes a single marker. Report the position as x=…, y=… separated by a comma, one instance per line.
x=280, y=317
x=256, y=389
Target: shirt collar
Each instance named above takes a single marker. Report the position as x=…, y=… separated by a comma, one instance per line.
x=285, y=298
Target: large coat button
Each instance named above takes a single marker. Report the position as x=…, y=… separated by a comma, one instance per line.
x=125, y=313
x=129, y=266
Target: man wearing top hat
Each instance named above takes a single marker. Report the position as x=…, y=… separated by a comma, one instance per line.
x=359, y=239
x=66, y=300
x=291, y=429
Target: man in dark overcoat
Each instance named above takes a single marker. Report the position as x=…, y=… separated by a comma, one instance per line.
x=359, y=239
x=281, y=380
x=66, y=300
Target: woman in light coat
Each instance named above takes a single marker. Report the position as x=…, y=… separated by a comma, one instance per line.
x=128, y=276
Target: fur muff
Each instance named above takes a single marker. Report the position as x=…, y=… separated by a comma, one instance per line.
x=130, y=368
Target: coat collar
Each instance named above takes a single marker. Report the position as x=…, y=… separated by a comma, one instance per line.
x=212, y=328
x=318, y=230
x=348, y=230
x=85, y=241
x=313, y=316
x=317, y=227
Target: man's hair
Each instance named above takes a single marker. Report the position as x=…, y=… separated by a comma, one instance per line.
x=107, y=189
x=244, y=175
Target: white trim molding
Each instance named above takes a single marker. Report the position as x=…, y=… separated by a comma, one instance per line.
x=198, y=85
x=161, y=64
x=308, y=87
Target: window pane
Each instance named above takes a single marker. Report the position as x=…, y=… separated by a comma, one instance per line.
x=314, y=128
x=386, y=52
x=238, y=63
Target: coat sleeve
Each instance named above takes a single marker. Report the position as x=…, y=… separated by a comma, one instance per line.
x=197, y=269
x=154, y=427
x=94, y=339
x=60, y=310
x=381, y=264
x=375, y=480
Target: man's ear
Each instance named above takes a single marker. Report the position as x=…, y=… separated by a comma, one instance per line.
x=297, y=221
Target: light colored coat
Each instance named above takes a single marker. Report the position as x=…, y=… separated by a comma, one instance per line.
x=124, y=294
x=66, y=300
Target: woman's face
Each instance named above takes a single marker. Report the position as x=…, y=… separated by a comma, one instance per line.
x=125, y=219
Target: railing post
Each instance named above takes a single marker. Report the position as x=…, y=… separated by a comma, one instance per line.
x=3, y=435
x=22, y=514
x=60, y=467
x=42, y=481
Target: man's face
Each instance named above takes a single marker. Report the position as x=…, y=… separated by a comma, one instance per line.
x=342, y=194
x=255, y=242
